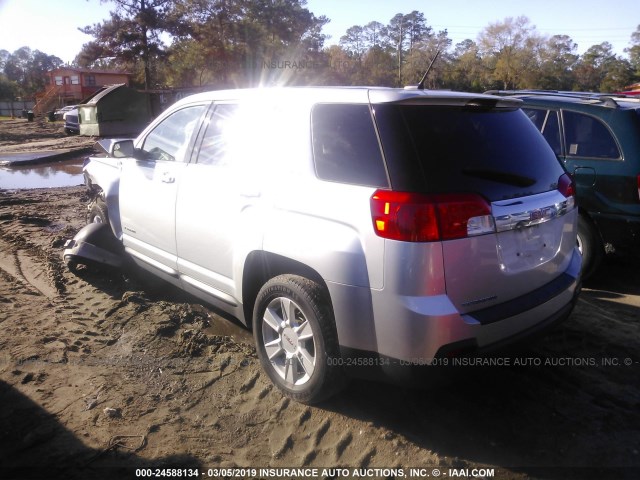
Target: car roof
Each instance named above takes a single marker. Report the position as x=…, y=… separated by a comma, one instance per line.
x=355, y=94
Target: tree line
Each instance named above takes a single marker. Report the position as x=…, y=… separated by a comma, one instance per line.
x=240, y=43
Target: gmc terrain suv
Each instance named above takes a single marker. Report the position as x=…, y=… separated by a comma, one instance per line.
x=350, y=227
x=597, y=136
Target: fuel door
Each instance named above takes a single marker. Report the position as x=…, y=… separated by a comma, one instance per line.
x=584, y=177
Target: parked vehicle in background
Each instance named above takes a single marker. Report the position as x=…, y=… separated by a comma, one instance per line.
x=597, y=136
x=59, y=113
x=628, y=92
x=357, y=231
x=71, y=122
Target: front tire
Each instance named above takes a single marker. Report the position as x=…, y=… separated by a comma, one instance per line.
x=296, y=339
x=98, y=212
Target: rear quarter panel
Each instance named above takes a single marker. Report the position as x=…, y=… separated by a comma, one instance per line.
x=328, y=227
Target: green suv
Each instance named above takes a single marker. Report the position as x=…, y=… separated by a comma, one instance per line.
x=597, y=137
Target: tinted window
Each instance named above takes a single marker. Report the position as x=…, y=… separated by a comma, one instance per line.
x=551, y=132
x=345, y=145
x=169, y=140
x=536, y=116
x=495, y=152
x=547, y=122
x=214, y=149
x=586, y=136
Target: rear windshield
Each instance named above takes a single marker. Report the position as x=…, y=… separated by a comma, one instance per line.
x=498, y=153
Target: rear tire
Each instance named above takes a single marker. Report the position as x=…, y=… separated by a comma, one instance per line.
x=296, y=338
x=590, y=247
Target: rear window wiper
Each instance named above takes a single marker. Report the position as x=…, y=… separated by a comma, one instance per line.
x=501, y=177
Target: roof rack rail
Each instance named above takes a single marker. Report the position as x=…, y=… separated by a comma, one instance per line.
x=607, y=99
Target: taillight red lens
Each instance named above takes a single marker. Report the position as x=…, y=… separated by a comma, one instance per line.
x=415, y=217
x=566, y=186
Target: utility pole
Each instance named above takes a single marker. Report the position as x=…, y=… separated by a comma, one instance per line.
x=400, y=38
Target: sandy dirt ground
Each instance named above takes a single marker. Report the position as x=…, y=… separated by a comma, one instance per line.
x=103, y=374
x=18, y=135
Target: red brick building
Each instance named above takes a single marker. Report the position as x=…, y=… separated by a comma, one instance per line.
x=69, y=85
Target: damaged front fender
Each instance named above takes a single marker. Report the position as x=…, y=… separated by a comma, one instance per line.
x=94, y=244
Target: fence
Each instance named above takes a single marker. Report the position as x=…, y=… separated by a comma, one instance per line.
x=14, y=108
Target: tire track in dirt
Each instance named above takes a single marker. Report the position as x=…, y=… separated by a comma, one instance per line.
x=149, y=359
x=23, y=268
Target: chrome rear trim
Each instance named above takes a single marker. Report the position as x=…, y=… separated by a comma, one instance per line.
x=534, y=216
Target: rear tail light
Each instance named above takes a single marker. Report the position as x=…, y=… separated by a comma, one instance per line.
x=638, y=187
x=566, y=186
x=415, y=217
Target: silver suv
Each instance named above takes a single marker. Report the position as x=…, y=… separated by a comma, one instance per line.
x=353, y=229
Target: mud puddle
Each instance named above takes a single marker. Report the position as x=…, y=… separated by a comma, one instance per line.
x=65, y=173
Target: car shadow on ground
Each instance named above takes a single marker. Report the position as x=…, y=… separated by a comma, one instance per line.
x=563, y=406
x=618, y=275
x=34, y=445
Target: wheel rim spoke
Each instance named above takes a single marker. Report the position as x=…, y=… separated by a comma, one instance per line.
x=290, y=370
x=288, y=310
x=272, y=320
x=306, y=361
x=273, y=348
x=304, y=331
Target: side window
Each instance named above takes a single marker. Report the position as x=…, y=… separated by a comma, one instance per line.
x=169, y=140
x=536, y=116
x=551, y=132
x=547, y=122
x=586, y=136
x=345, y=145
x=215, y=146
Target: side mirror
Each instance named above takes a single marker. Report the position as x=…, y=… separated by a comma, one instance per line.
x=122, y=149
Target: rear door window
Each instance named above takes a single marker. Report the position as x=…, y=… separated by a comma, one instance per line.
x=547, y=122
x=551, y=132
x=345, y=145
x=587, y=136
x=222, y=128
x=537, y=116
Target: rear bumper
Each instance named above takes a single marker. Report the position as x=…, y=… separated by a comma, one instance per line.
x=374, y=366
x=419, y=331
